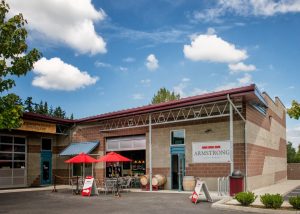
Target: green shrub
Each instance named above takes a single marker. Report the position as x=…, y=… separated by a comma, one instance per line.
x=295, y=202
x=245, y=198
x=272, y=201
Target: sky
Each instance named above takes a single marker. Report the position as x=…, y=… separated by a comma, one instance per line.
x=103, y=56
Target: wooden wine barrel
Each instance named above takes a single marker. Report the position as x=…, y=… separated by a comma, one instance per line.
x=144, y=180
x=188, y=183
x=159, y=180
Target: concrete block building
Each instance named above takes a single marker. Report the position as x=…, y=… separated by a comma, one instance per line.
x=206, y=136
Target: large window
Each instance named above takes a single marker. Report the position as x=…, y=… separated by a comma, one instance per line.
x=177, y=137
x=12, y=161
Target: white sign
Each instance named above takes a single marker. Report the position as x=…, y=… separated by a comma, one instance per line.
x=89, y=187
x=212, y=152
x=200, y=186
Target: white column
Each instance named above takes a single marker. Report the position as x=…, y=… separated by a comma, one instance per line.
x=231, y=137
x=150, y=152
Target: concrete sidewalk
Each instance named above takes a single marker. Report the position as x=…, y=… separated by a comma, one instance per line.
x=32, y=189
x=214, y=195
x=281, y=188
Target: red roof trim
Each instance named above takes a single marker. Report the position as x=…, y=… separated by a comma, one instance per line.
x=209, y=97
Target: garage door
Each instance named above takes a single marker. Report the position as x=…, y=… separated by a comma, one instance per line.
x=137, y=142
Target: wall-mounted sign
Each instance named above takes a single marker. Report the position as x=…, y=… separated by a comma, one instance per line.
x=212, y=152
x=37, y=126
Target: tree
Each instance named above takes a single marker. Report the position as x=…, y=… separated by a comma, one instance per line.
x=164, y=95
x=294, y=111
x=10, y=111
x=15, y=60
x=290, y=152
x=58, y=112
x=28, y=105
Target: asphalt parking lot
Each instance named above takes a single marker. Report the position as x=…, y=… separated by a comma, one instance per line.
x=43, y=202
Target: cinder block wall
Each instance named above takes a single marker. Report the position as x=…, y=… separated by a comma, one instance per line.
x=195, y=132
x=266, y=141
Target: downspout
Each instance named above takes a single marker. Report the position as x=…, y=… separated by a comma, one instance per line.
x=245, y=139
x=150, y=153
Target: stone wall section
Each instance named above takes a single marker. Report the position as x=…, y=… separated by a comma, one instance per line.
x=266, y=144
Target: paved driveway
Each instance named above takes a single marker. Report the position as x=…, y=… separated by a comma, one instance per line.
x=63, y=202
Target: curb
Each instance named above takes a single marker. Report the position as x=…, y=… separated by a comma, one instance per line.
x=220, y=205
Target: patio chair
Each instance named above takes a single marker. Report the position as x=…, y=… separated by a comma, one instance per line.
x=126, y=184
x=109, y=186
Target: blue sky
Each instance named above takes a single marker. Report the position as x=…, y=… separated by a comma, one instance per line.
x=102, y=56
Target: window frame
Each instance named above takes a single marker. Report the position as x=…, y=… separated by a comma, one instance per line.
x=184, y=137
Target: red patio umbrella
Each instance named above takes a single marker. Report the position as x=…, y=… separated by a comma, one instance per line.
x=113, y=157
x=81, y=158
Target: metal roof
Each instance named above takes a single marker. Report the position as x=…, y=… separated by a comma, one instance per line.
x=203, y=98
x=250, y=90
x=77, y=148
x=46, y=118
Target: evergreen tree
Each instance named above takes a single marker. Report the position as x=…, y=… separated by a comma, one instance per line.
x=45, y=108
x=29, y=105
x=50, y=111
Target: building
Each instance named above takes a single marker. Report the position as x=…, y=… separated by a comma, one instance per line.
x=206, y=136
x=29, y=155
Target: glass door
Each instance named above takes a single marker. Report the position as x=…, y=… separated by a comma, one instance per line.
x=46, y=167
x=46, y=161
x=181, y=170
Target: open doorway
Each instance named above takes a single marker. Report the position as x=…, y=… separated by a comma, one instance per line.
x=177, y=170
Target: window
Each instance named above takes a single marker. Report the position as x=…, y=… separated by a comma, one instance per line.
x=46, y=144
x=177, y=137
x=262, y=109
x=77, y=169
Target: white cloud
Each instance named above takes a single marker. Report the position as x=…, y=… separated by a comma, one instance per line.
x=123, y=68
x=182, y=86
x=293, y=135
x=245, y=80
x=152, y=62
x=263, y=8
x=54, y=74
x=198, y=91
x=210, y=31
x=129, y=59
x=64, y=21
x=213, y=48
x=146, y=82
x=138, y=96
x=102, y=64
x=238, y=67
x=180, y=89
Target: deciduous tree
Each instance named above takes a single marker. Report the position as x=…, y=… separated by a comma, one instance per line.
x=294, y=111
x=164, y=95
x=15, y=60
